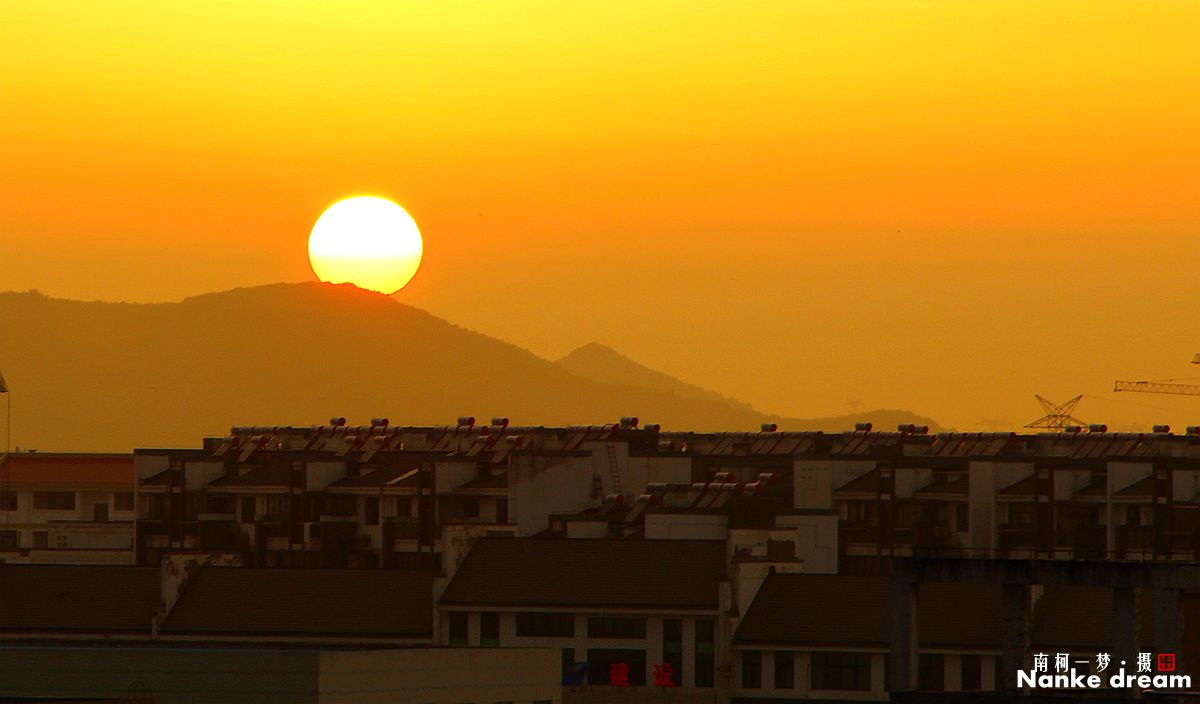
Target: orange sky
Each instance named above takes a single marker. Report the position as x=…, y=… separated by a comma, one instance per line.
x=933, y=205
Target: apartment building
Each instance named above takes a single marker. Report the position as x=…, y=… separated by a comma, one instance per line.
x=626, y=616
x=72, y=508
x=374, y=496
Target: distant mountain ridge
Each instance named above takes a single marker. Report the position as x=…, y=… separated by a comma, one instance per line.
x=114, y=376
x=602, y=363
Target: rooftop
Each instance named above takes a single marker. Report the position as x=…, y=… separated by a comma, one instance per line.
x=600, y=573
x=68, y=469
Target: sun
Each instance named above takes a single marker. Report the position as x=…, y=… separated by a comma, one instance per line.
x=366, y=241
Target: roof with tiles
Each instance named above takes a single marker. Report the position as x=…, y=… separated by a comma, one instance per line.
x=276, y=602
x=852, y=610
x=68, y=469
x=77, y=598
x=394, y=477
x=848, y=610
x=599, y=573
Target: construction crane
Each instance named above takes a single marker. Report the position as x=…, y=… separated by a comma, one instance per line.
x=1167, y=386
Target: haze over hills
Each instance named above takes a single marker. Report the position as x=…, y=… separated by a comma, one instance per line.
x=114, y=376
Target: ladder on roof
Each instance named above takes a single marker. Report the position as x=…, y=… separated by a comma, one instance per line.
x=613, y=467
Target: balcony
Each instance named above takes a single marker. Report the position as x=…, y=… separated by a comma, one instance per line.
x=1017, y=540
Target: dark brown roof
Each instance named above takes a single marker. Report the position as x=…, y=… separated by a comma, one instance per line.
x=274, y=475
x=1025, y=487
x=162, y=478
x=77, y=598
x=855, y=610
x=1057, y=622
x=494, y=481
x=863, y=484
x=279, y=602
x=954, y=487
x=387, y=476
x=1142, y=488
x=638, y=574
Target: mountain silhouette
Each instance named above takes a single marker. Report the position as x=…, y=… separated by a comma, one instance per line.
x=114, y=376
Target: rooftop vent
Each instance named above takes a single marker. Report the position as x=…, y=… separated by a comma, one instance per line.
x=502, y=422
x=862, y=427
x=769, y=427
x=337, y=421
x=629, y=422
x=467, y=421
x=1097, y=428
x=1162, y=428
x=379, y=422
x=1193, y=430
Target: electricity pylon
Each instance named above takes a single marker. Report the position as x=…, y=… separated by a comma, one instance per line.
x=1058, y=415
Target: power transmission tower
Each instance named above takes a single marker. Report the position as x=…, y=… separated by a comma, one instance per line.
x=1058, y=415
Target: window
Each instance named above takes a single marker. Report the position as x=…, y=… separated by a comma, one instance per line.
x=219, y=503
x=931, y=672
x=573, y=674
x=972, y=673
x=751, y=669
x=248, y=509
x=371, y=511
x=841, y=671
x=705, y=651
x=342, y=506
x=785, y=669
x=962, y=519
x=673, y=649
x=614, y=627
x=616, y=667
x=41, y=539
x=404, y=507
x=9, y=539
x=8, y=500
x=60, y=541
x=489, y=629
x=1021, y=514
x=154, y=506
x=123, y=501
x=54, y=500
x=862, y=512
x=458, y=628
x=502, y=510
x=470, y=507
x=908, y=515
x=545, y=625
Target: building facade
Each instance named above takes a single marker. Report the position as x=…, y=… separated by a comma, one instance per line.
x=73, y=508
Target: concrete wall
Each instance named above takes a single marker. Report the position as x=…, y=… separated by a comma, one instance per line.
x=318, y=475
x=813, y=481
x=169, y=676
x=441, y=676
x=535, y=492
x=686, y=526
x=205, y=676
x=197, y=475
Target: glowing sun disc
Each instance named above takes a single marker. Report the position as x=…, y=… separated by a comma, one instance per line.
x=366, y=241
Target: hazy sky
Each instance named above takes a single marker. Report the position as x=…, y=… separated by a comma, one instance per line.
x=933, y=205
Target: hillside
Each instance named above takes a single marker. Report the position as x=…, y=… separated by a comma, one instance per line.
x=113, y=376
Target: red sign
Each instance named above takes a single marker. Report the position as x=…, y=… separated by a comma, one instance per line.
x=618, y=674
x=664, y=675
